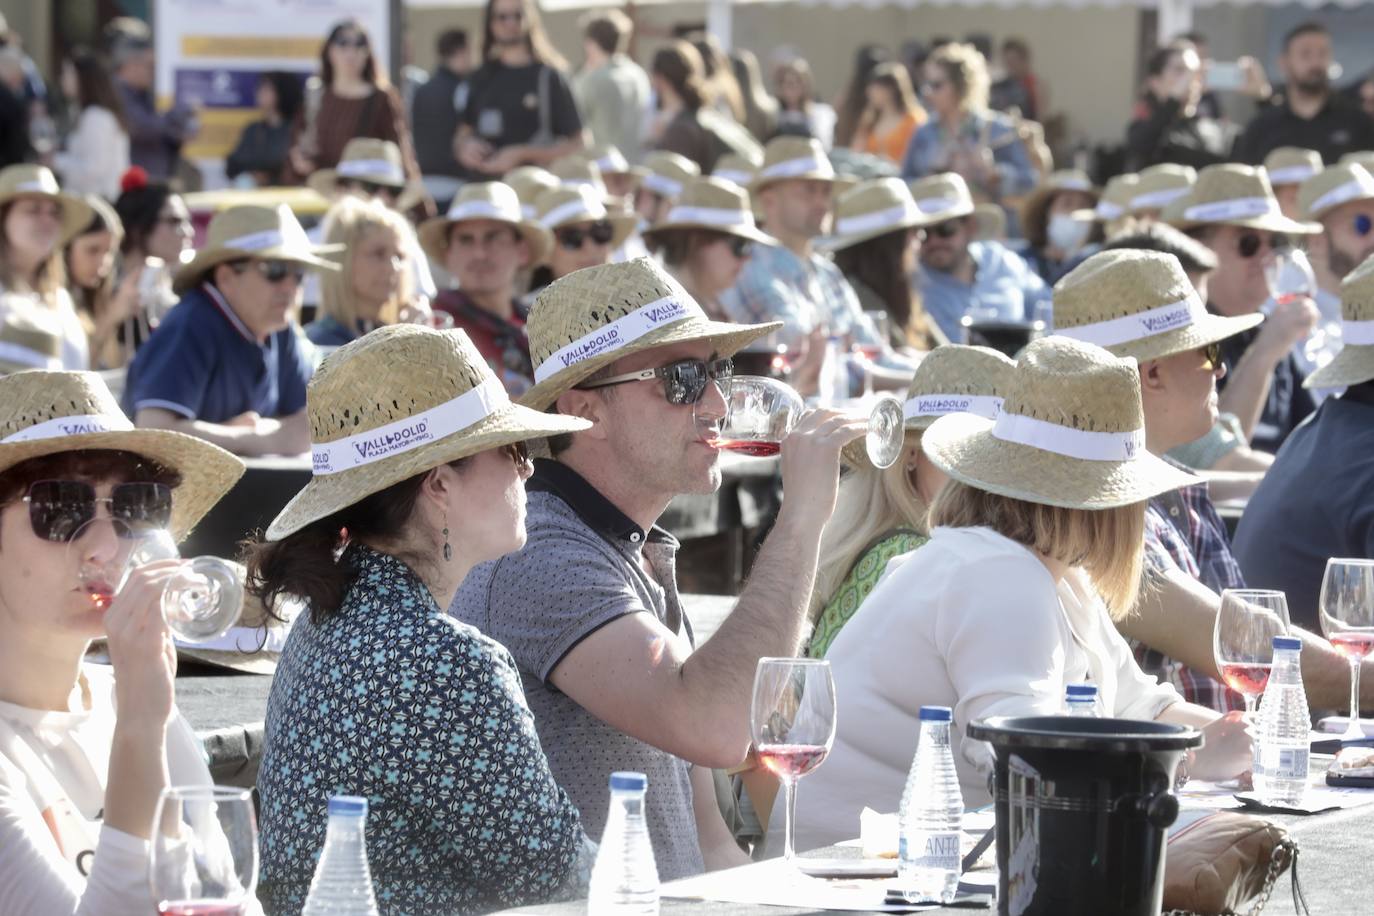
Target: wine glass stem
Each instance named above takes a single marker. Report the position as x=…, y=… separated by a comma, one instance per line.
x=789, y=800
x=1354, y=730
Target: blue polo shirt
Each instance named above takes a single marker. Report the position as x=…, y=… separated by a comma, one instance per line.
x=1003, y=284
x=203, y=363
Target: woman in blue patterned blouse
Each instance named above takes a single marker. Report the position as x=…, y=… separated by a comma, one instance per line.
x=419, y=474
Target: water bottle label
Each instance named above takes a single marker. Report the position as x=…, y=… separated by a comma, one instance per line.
x=930, y=850
x=1285, y=762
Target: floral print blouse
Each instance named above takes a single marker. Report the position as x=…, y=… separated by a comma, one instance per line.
x=391, y=699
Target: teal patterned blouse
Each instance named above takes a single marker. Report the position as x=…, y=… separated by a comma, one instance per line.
x=856, y=586
x=392, y=699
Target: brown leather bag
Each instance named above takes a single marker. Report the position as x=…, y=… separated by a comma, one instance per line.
x=1225, y=861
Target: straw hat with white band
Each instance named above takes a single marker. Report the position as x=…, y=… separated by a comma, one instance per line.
x=488, y=200
x=1233, y=195
x=1327, y=190
x=1362, y=157
x=26, y=180
x=364, y=159
x=1139, y=304
x=578, y=169
x=871, y=209
x=30, y=341
x=529, y=181
x=1292, y=165
x=714, y=205
x=251, y=231
x=786, y=158
x=1355, y=362
x=1160, y=185
x=1071, y=433
x=47, y=413
x=736, y=168
x=595, y=316
x=398, y=402
x=1115, y=201
x=665, y=173
x=610, y=160
x=582, y=204
x=1033, y=209
x=942, y=197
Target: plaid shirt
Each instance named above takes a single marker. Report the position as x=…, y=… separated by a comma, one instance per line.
x=1183, y=530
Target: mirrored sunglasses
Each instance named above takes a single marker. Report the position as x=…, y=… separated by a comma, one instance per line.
x=57, y=508
x=684, y=382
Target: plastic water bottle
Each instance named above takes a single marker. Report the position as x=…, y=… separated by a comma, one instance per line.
x=624, y=877
x=1284, y=727
x=343, y=883
x=1081, y=700
x=931, y=816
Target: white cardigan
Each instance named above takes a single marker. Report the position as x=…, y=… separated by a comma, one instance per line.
x=974, y=621
x=97, y=154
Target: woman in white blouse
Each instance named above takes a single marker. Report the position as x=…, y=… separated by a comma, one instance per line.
x=97, y=149
x=85, y=749
x=1036, y=545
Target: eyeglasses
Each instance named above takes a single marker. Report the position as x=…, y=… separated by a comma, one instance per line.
x=58, y=508
x=370, y=188
x=1363, y=224
x=573, y=238
x=343, y=41
x=1249, y=244
x=508, y=17
x=273, y=271
x=684, y=382
x=946, y=230
x=1211, y=356
x=741, y=247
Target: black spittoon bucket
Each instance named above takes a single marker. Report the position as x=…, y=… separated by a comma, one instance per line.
x=1083, y=806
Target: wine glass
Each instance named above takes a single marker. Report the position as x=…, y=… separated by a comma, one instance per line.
x=203, y=857
x=1347, y=614
x=793, y=725
x=760, y=412
x=1289, y=275
x=199, y=604
x=1242, y=639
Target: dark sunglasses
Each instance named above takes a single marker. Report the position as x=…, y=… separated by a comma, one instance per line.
x=600, y=232
x=1363, y=224
x=946, y=230
x=274, y=271
x=370, y=188
x=519, y=453
x=343, y=41
x=58, y=508
x=684, y=382
x=1212, y=356
x=741, y=247
x=1249, y=244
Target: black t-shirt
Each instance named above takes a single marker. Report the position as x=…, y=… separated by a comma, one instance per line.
x=436, y=111
x=1288, y=403
x=1339, y=128
x=503, y=104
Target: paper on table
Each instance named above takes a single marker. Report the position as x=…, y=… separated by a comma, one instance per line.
x=776, y=883
x=1318, y=797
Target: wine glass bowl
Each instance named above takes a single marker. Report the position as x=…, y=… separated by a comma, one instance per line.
x=1289, y=275
x=203, y=853
x=1242, y=639
x=1346, y=607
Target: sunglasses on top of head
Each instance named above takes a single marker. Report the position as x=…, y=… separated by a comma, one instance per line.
x=601, y=232
x=58, y=508
x=684, y=382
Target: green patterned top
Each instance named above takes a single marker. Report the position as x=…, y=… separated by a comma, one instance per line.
x=856, y=586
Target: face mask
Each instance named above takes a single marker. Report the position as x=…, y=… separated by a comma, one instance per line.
x=1066, y=233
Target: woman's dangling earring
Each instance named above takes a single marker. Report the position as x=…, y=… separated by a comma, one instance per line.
x=448, y=548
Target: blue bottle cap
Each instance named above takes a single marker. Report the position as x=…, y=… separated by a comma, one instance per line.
x=629, y=782
x=1083, y=691
x=1287, y=642
x=937, y=714
x=353, y=805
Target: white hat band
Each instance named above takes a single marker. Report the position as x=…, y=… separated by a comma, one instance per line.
x=428, y=426
x=481, y=209
x=624, y=330
x=667, y=187
x=738, y=176
x=529, y=211
x=791, y=168
x=370, y=168
x=1107, y=210
x=937, y=405
x=1138, y=326
x=1344, y=193
x=41, y=186
x=77, y=425
x=610, y=165
x=27, y=356
x=573, y=211
x=1154, y=200
x=1291, y=174
x=711, y=216
x=882, y=219
x=289, y=236
x=937, y=204
x=1236, y=208
x=1073, y=184
x=1360, y=333
x=1087, y=445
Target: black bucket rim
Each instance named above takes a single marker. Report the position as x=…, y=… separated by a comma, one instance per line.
x=1018, y=731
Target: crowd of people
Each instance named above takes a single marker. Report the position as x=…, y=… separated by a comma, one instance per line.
x=519, y=260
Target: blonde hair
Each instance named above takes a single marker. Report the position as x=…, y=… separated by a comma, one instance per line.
x=49, y=278
x=967, y=70
x=348, y=223
x=1109, y=544
x=872, y=501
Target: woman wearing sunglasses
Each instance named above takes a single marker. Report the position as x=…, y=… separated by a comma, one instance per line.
x=706, y=238
x=585, y=233
x=419, y=471
x=86, y=748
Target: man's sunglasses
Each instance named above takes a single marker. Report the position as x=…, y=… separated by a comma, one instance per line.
x=1249, y=244
x=684, y=382
x=741, y=247
x=519, y=453
x=58, y=508
x=1363, y=224
x=273, y=271
x=343, y=41
x=946, y=230
x=370, y=188
x=573, y=238
x=1212, y=356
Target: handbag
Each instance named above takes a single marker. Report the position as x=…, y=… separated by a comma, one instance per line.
x=1225, y=861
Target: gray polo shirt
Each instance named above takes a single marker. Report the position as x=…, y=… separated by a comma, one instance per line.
x=578, y=571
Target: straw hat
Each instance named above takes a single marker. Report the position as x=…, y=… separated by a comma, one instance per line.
x=736, y=168
x=1160, y=185
x=529, y=181
x=363, y=159
x=1233, y=195
x=1071, y=433
x=490, y=200
x=1292, y=165
x=29, y=341
x=609, y=159
x=1115, y=201
x=578, y=168
x=26, y=180
x=108, y=217
x=942, y=197
x=665, y=173
x=1140, y=304
x=395, y=403
x=1035, y=204
x=1355, y=362
x=46, y=413
x=989, y=222
x=1362, y=157
x=788, y=157
x=1332, y=187
x=252, y=231
x=565, y=206
x=871, y=209
x=716, y=205
x=595, y=316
